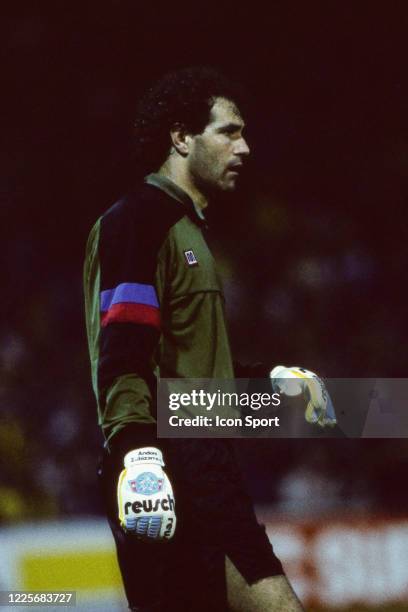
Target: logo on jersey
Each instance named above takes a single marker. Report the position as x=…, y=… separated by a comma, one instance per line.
x=191, y=258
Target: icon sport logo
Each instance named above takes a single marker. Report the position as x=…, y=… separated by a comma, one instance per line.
x=190, y=258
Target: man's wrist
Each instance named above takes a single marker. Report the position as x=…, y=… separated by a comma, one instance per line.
x=254, y=370
x=131, y=436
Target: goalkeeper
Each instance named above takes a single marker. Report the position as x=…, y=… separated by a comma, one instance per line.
x=186, y=534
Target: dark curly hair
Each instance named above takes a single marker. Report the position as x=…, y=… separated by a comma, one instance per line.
x=186, y=97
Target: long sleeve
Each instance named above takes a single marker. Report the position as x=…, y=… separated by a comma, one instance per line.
x=123, y=311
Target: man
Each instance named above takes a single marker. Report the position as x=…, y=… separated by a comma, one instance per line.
x=155, y=307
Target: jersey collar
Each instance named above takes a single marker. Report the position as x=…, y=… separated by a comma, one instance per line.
x=174, y=191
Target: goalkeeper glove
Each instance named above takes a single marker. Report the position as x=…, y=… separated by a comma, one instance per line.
x=145, y=496
x=295, y=381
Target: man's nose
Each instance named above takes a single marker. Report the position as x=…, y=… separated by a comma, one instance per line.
x=241, y=147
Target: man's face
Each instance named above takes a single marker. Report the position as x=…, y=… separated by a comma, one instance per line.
x=217, y=154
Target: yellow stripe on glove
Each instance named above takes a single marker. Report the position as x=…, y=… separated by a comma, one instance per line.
x=295, y=381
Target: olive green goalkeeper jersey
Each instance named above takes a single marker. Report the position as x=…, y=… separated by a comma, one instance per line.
x=154, y=302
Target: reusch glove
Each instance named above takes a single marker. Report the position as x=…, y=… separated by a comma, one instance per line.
x=295, y=381
x=145, y=496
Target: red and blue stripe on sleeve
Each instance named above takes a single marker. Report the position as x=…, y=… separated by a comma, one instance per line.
x=131, y=234
x=130, y=303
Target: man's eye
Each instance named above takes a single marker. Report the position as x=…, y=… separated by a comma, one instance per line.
x=229, y=131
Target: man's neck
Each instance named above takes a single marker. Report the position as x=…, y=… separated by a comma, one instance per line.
x=180, y=177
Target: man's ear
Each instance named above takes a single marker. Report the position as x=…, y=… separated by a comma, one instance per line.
x=180, y=139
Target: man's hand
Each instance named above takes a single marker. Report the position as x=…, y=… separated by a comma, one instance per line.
x=295, y=381
x=145, y=496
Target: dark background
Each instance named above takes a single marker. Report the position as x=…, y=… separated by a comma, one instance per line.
x=313, y=248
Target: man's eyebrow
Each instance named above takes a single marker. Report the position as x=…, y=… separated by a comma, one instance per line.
x=231, y=126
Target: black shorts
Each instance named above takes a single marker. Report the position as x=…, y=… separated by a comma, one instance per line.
x=215, y=519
